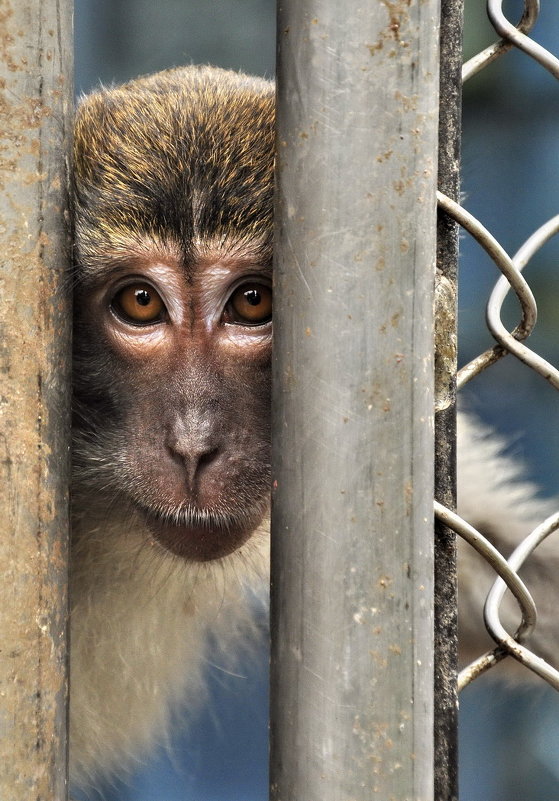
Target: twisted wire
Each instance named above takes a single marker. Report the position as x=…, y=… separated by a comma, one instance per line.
x=507, y=342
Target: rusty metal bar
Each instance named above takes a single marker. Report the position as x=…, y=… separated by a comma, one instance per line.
x=352, y=664
x=36, y=92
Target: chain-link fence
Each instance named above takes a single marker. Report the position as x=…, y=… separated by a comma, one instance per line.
x=508, y=342
x=513, y=630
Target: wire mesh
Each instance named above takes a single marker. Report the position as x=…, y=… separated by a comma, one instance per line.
x=508, y=643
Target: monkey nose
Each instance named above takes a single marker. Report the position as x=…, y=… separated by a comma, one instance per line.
x=196, y=453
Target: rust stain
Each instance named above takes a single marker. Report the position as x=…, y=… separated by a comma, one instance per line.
x=398, y=22
x=398, y=16
x=33, y=509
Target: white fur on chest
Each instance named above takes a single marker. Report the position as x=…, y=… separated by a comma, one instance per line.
x=139, y=626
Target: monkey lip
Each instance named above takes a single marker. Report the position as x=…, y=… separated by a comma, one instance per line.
x=198, y=536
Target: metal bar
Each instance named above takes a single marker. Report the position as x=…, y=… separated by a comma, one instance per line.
x=352, y=666
x=446, y=638
x=36, y=91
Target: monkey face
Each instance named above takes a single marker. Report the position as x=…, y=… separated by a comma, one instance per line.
x=173, y=306
x=182, y=370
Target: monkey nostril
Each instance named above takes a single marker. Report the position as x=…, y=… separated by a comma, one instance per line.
x=196, y=465
x=204, y=459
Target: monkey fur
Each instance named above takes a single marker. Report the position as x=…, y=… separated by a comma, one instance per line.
x=495, y=498
x=173, y=185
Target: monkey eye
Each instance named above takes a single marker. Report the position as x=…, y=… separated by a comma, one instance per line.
x=139, y=304
x=250, y=304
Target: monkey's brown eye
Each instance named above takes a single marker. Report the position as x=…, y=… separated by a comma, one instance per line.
x=139, y=303
x=250, y=304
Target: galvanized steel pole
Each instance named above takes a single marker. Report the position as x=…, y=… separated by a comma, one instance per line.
x=352, y=587
x=36, y=92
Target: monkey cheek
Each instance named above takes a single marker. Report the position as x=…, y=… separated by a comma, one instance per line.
x=199, y=543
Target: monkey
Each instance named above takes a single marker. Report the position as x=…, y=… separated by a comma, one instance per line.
x=173, y=207
x=173, y=198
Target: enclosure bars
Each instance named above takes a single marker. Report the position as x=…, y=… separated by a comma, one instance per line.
x=352, y=673
x=36, y=91
x=446, y=701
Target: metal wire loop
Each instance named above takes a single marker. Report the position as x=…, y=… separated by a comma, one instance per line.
x=491, y=53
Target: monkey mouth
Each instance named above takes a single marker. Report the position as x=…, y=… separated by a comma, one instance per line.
x=198, y=535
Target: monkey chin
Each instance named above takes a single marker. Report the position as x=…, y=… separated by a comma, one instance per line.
x=200, y=538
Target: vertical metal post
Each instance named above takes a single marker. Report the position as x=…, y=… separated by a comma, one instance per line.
x=446, y=638
x=352, y=668
x=35, y=92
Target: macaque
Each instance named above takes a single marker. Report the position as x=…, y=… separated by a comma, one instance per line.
x=173, y=197
x=173, y=183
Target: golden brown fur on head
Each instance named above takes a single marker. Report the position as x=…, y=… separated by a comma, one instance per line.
x=183, y=154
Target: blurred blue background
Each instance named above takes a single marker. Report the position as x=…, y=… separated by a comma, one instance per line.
x=509, y=737
x=510, y=174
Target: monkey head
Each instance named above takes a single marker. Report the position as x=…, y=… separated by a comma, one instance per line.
x=173, y=216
